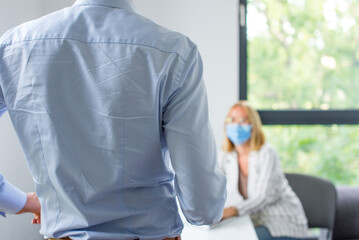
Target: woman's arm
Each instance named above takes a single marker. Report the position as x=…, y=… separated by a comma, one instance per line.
x=230, y=212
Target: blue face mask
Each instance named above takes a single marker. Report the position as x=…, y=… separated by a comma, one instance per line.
x=238, y=134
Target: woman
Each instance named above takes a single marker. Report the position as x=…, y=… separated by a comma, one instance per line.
x=256, y=184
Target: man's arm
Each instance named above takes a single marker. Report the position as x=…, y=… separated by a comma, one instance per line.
x=200, y=186
x=3, y=108
x=33, y=206
x=12, y=199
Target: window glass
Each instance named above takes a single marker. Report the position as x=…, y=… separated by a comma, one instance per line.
x=331, y=152
x=303, y=54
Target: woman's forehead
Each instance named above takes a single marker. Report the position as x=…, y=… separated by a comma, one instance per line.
x=238, y=111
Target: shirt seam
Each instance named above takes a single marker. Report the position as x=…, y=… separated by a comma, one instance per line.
x=99, y=42
x=184, y=67
x=178, y=82
x=103, y=5
x=175, y=89
x=1, y=88
x=44, y=162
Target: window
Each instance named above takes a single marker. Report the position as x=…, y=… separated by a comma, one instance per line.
x=299, y=65
x=327, y=151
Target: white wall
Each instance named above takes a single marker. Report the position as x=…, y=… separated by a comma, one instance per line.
x=212, y=24
x=47, y=6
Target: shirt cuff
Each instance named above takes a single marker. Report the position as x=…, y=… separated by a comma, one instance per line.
x=12, y=199
x=2, y=111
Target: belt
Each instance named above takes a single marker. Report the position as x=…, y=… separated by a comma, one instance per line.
x=67, y=238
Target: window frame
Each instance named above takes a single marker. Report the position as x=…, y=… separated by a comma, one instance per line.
x=284, y=117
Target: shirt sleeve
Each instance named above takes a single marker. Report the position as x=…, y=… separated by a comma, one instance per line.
x=3, y=108
x=266, y=187
x=200, y=186
x=12, y=200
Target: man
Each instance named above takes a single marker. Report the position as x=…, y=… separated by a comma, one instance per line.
x=13, y=200
x=111, y=111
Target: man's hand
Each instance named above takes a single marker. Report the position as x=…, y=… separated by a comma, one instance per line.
x=230, y=212
x=32, y=205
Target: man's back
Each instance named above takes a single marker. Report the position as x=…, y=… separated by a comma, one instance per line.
x=100, y=98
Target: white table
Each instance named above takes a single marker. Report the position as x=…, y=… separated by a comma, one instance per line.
x=237, y=228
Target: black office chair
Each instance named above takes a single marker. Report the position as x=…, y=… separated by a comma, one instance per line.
x=319, y=199
x=346, y=225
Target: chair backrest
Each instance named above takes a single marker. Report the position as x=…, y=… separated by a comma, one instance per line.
x=347, y=214
x=318, y=197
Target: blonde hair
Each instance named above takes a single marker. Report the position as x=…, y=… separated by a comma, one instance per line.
x=257, y=137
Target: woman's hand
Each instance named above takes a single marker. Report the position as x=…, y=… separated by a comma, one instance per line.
x=230, y=212
x=32, y=205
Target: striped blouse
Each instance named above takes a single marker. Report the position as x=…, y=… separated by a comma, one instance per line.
x=271, y=202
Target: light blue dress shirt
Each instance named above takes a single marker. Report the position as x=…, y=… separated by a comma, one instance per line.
x=111, y=112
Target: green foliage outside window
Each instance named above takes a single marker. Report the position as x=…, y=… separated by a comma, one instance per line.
x=304, y=54
x=331, y=152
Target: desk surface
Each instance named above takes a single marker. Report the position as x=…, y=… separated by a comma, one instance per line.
x=238, y=228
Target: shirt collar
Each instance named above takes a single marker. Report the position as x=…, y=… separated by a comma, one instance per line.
x=123, y=4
